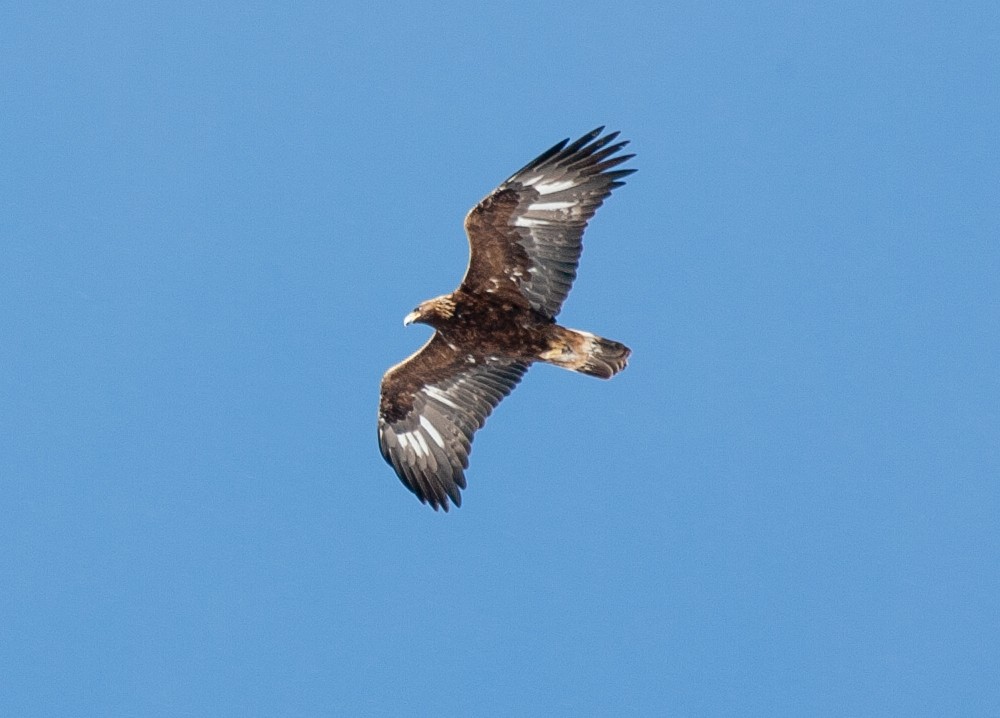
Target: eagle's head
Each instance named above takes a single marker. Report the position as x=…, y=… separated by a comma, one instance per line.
x=434, y=311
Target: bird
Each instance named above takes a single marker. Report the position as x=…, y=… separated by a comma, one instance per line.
x=525, y=240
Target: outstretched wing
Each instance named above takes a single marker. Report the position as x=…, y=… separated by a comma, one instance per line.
x=431, y=406
x=525, y=237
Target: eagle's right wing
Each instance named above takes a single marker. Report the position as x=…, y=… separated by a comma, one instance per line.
x=525, y=237
x=431, y=406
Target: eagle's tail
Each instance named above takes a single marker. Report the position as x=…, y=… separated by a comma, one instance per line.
x=585, y=352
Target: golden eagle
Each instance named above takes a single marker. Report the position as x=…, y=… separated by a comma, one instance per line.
x=525, y=243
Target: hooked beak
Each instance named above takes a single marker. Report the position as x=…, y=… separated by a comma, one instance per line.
x=410, y=318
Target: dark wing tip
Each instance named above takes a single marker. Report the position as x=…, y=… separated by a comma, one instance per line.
x=583, y=153
x=431, y=485
x=591, y=154
x=584, y=146
x=618, y=174
x=436, y=495
x=545, y=156
x=438, y=504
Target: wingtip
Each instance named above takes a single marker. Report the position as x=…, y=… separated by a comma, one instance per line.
x=599, y=132
x=439, y=498
x=611, y=136
x=442, y=503
x=587, y=146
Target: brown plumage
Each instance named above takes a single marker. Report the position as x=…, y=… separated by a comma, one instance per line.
x=525, y=243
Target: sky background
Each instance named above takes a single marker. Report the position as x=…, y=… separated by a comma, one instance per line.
x=213, y=218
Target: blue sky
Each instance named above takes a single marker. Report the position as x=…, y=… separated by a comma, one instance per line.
x=214, y=218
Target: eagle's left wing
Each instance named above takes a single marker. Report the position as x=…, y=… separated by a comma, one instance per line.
x=431, y=406
x=525, y=236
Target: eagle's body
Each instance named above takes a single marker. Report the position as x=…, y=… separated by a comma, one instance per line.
x=525, y=245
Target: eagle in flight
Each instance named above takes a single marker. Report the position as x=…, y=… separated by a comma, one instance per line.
x=524, y=244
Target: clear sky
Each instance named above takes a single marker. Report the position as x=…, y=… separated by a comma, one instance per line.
x=214, y=217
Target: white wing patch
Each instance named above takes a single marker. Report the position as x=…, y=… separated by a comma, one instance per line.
x=553, y=187
x=424, y=449
x=545, y=206
x=414, y=441
x=438, y=395
x=431, y=431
